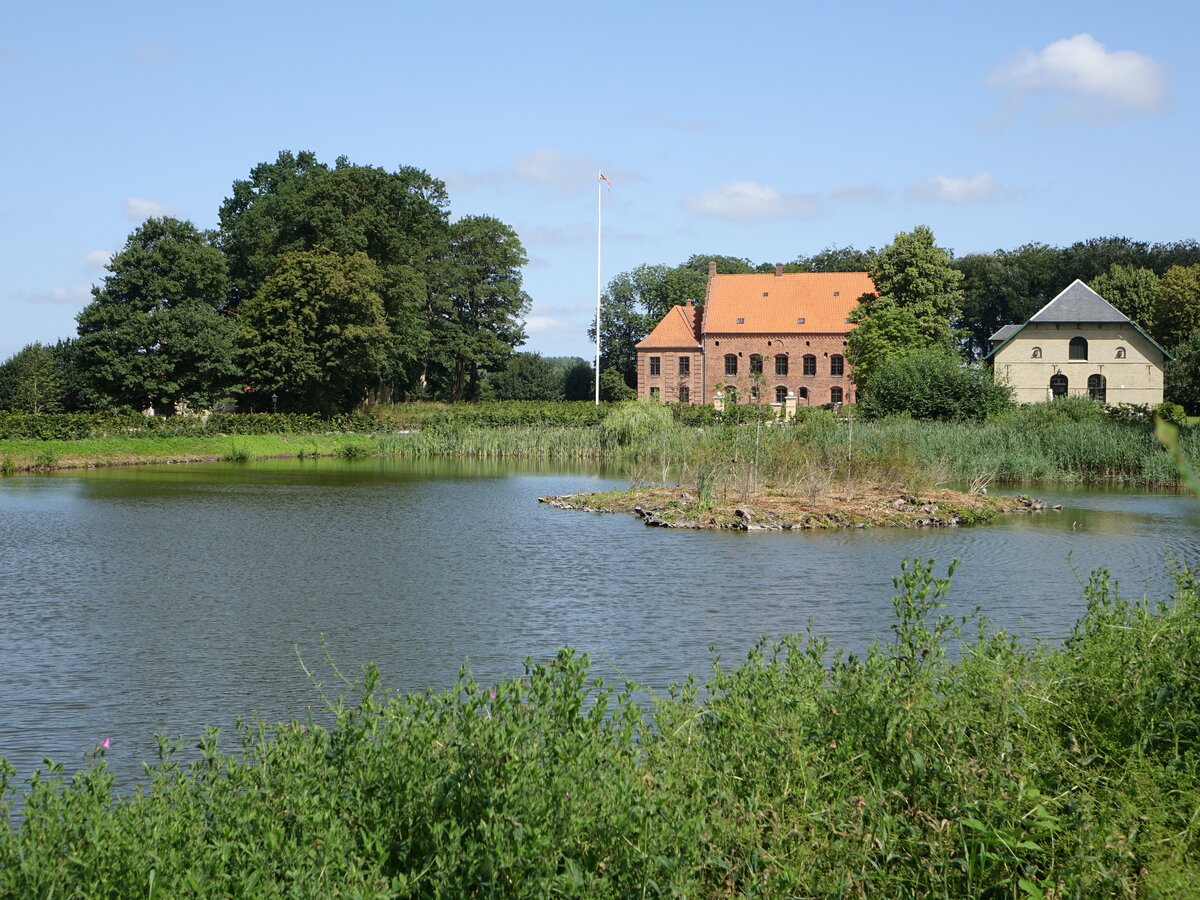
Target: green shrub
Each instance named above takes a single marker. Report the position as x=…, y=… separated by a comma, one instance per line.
x=1171, y=412
x=933, y=385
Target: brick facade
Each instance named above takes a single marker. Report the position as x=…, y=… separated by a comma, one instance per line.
x=782, y=318
x=810, y=390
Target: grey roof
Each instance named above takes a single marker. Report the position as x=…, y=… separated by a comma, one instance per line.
x=1005, y=333
x=1079, y=303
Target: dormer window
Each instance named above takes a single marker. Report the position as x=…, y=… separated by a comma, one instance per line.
x=741, y=321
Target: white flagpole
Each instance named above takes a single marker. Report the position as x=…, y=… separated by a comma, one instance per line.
x=599, y=231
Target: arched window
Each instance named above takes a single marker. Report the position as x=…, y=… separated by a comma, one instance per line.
x=781, y=364
x=1037, y=353
x=754, y=392
x=685, y=394
x=837, y=365
x=835, y=394
x=1058, y=385
x=1077, y=349
x=780, y=394
x=755, y=364
x=730, y=364
x=802, y=393
x=1098, y=388
x=1120, y=353
x=810, y=364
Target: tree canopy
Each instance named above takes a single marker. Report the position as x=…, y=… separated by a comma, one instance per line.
x=155, y=332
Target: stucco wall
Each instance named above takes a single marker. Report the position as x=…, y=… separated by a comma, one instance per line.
x=1138, y=378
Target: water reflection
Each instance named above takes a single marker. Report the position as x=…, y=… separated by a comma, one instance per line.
x=162, y=599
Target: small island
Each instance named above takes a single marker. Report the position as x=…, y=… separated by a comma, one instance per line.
x=861, y=506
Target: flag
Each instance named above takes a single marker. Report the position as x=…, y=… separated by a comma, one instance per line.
x=604, y=178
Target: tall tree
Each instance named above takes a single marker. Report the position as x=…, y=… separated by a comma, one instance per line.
x=316, y=331
x=1177, y=313
x=837, y=259
x=155, y=332
x=526, y=376
x=480, y=317
x=920, y=294
x=1134, y=291
x=29, y=381
x=398, y=219
x=1004, y=288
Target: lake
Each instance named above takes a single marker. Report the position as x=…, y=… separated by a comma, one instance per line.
x=161, y=599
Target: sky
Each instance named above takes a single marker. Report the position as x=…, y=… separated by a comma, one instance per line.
x=765, y=130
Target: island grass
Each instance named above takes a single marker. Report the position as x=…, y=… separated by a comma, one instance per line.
x=943, y=763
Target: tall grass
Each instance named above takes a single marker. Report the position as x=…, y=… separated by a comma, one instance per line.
x=999, y=770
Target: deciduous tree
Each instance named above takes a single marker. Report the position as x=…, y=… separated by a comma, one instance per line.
x=316, y=331
x=29, y=381
x=155, y=333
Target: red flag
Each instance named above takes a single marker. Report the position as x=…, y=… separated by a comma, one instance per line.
x=604, y=178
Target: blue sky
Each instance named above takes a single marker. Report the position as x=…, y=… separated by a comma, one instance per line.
x=759, y=129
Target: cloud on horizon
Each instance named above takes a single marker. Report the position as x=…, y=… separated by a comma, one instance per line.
x=140, y=209
x=1095, y=84
x=955, y=189
x=748, y=201
x=76, y=295
x=97, y=259
x=544, y=168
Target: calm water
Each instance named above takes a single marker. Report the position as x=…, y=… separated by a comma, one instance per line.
x=163, y=599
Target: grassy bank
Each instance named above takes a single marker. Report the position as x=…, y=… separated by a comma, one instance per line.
x=1000, y=771
x=27, y=455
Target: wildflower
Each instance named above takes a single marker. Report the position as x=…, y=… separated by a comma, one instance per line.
x=105, y=744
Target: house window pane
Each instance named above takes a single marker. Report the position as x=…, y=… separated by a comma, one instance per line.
x=780, y=394
x=755, y=364
x=654, y=393
x=837, y=365
x=802, y=393
x=1077, y=349
x=685, y=365
x=781, y=364
x=685, y=395
x=1098, y=388
x=730, y=364
x=835, y=395
x=810, y=364
x=655, y=365
x=1058, y=385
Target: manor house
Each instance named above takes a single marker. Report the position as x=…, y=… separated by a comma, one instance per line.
x=774, y=338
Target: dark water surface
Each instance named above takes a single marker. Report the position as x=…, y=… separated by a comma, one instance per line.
x=147, y=600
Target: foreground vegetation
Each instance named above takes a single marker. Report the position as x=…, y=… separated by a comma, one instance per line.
x=933, y=766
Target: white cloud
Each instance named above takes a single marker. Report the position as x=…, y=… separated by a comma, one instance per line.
x=97, y=259
x=746, y=201
x=553, y=168
x=546, y=168
x=545, y=326
x=76, y=295
x=138, y=209
x=1094, y=80
x=955, y=189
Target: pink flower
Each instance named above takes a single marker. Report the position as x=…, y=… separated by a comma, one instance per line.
x=493, y=693
x=106, y=743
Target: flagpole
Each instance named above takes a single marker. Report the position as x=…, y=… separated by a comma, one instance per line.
x=599, y=231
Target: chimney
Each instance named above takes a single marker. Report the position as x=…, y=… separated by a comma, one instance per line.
x=778, y=270
x=712, y=268
x=688, y=303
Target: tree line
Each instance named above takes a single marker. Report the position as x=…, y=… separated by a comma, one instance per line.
x=322, y=287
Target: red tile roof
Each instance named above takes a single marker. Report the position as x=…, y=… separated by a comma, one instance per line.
x=679, y=328
x=773, y=304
